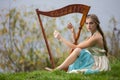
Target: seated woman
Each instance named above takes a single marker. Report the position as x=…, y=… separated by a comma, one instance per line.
x=89, y=56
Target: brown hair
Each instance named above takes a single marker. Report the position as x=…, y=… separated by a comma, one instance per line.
x=96, y=20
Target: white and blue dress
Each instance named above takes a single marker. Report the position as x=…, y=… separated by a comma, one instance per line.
x=91, y=60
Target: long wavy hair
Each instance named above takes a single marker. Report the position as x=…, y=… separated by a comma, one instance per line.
x=96, y=20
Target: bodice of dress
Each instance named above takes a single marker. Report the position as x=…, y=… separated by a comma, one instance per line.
x=97, y=51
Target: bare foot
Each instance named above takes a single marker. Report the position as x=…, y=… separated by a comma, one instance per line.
x=48, y=69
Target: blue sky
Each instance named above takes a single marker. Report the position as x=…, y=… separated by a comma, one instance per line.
x=104, y=9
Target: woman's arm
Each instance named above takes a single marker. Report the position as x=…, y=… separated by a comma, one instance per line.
x=70, y=26
x=69, y=44
x=87, y=43
x=60, y=38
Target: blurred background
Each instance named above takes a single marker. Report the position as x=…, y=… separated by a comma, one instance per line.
x=22, y=46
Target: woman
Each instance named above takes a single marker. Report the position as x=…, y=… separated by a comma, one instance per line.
x=89, y=56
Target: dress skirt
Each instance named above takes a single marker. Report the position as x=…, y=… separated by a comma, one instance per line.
x=86, y=63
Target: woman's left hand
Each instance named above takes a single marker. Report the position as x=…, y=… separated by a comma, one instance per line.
x=70, y=26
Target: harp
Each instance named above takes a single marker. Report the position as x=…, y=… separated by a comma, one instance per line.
x=73, y=8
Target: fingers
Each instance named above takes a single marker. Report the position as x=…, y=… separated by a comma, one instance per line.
x=69, y=26
x=56, y=34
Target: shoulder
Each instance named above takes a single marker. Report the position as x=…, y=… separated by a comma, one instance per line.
x=97, y=36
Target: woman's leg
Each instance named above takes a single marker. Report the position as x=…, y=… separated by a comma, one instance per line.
x=70, y=59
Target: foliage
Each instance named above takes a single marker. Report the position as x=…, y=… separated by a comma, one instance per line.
x=114, y=38
x=23, y=45
x=20, y=52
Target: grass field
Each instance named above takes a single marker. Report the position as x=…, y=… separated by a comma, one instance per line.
x=114, y=74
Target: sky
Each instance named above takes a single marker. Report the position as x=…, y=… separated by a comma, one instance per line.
x=104, y=9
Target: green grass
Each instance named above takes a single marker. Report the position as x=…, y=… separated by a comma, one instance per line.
x=114, y=74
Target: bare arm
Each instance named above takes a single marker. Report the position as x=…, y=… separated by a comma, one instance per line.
x=70, y=26
x=84, y=44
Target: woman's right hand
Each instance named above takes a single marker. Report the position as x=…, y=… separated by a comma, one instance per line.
x=57, y=35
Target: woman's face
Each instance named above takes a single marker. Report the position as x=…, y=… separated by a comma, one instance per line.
x=91, y=25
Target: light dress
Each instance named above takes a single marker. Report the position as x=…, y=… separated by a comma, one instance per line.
x=90, y=60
